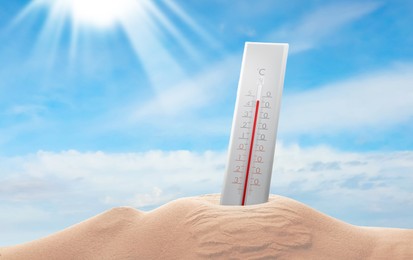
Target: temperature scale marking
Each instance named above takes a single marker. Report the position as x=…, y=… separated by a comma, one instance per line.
x=254, y=128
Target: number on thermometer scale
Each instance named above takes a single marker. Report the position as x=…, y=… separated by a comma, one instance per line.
x=259, y=129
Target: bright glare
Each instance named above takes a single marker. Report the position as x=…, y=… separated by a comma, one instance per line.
x=101, y=13
x=149, y=29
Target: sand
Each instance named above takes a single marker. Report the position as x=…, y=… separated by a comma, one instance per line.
x=198, y=228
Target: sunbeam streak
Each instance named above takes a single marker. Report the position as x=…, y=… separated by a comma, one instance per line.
x=147, y=25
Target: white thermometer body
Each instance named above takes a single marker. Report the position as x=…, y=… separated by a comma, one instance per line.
x=254, y=127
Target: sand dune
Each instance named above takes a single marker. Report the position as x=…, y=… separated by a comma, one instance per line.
x=198, y=228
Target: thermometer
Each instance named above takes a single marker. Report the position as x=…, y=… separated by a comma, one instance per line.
x=254, y=127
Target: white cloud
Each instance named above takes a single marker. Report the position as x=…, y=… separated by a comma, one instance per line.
x=71, y=186
x=197, y=91
x=64, y=188
x=25, y=110
x=380, y=100
x=361, y=188
x=16, y=215
x=176, y=108
x=314, y=27
x=122, y=177
x=139, y=200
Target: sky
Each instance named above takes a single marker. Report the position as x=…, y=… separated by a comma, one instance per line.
x=108, y=103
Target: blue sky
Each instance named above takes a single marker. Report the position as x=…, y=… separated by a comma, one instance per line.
x=132, y=104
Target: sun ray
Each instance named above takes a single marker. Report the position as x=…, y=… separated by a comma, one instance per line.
x=150, y=51
x=189, y=21
x=169, y=26
x=149, y=30
x=50, y=36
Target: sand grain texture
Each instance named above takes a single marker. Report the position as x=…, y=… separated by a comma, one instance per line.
x=199, y=228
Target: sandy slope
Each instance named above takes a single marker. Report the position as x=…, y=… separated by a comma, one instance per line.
x=197, y=228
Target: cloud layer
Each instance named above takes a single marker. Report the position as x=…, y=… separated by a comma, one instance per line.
x=313, y=28
x=377, y=100
x=48, y=191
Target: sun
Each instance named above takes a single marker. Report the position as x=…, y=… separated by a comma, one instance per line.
x=100, y=13
x=95, y=13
